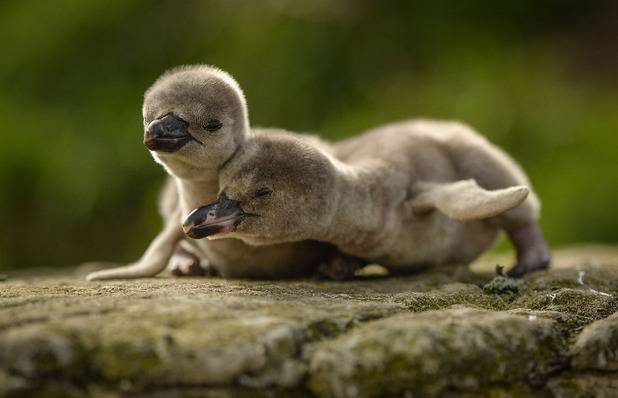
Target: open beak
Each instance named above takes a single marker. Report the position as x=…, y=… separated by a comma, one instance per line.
x=224, y=215
x=167, y=134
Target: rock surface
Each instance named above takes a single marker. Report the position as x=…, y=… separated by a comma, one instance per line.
x=596, y=348
x=444, y=332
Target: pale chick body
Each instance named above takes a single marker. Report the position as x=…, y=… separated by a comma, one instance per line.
x=195, y=121
x=405, y=195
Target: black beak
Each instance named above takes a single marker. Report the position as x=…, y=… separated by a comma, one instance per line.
x=167, y=134
x=224, y=215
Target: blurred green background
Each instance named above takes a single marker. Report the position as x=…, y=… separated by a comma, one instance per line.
x=539, y=78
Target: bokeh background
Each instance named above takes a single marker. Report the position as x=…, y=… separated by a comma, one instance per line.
x=539, y=78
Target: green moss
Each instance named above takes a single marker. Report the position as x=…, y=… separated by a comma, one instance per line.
x=48, y=389
x=435, y=351
x=326, y=328
x=502, y=285
x=584, y=385
x=583, y=306
x=585, y=277
x=224, y=392
x=499, y=391
x=416, y=334
x=596, y=348
x=128, y=361
x=448, y=295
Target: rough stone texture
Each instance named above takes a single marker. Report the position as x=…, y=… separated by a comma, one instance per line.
x=444, y=332
x=431, y=352
x=584, y=385
x=596, y=347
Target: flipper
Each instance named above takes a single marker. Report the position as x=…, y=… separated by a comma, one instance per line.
x=131, y=271
x=465, y=200
x=154, y=259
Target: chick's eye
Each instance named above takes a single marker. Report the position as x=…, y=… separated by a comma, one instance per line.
x=263, y=192
x=213, y=125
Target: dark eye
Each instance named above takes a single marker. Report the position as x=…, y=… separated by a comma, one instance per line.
x=263, y=192
x=213, y=125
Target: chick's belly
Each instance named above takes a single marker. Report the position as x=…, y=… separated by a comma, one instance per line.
x=440, y=240
x=229, y=252
x=233, y=258
x=476, y=238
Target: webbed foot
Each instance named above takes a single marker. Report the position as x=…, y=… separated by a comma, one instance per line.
x=339, y=267
x=185, y=263
x=533, y=254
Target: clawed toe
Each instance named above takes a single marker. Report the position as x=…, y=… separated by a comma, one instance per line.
x=533, y=254
x=524, y=267
x=339, y=268
x=185, y=263
x=192, y=269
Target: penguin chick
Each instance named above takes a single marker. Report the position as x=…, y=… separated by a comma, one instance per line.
x=475, y=158
x=408, y=197
x=196, y=120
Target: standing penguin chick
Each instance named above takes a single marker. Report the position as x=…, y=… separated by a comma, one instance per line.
x=409, y=194
x=195, y=121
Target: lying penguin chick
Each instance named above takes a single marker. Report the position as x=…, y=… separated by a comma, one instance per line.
x=396, y=205
x=440, y=146
x=195, y=120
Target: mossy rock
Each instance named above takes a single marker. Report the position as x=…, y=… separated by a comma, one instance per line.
x=587, y=305
x=448, y=295
x=584, y=385
x=446, y=330
x=596, y=348
x=432, y=352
